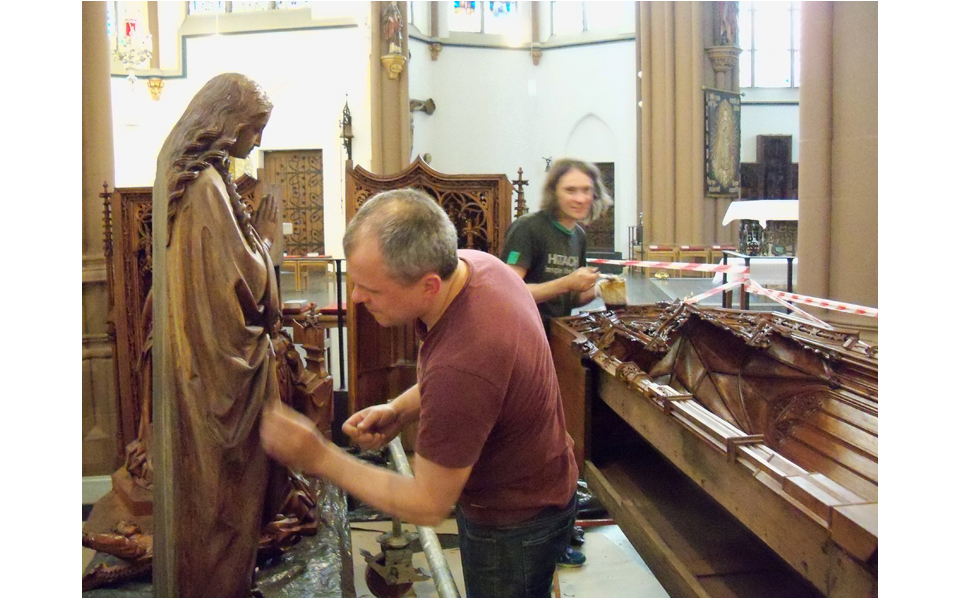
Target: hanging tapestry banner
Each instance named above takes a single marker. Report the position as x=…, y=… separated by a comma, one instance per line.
x=722, y=143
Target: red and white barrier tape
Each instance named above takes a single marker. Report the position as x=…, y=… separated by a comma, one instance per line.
x=755, y=288
x=846, y=307
x=681, y=266
x=752, y=286
x=716, y=290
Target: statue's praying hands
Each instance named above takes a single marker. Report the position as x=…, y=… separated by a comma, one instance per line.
x=266, y=220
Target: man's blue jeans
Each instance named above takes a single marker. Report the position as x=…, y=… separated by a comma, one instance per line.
x=516, y=561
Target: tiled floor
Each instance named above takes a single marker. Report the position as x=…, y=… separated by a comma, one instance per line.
x=613, y=568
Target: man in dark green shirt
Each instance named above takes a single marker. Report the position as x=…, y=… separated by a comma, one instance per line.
x=548, y=248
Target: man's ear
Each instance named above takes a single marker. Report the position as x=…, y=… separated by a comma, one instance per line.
x=431, y=283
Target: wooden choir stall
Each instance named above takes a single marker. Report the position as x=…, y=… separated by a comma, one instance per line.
x=736, y=449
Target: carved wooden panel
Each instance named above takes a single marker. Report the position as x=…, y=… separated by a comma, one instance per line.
x=299, y=175
x=382, y=362
x=128, y=240
x=478, y=205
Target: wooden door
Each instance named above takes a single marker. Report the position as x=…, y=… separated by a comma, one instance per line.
x=299, y=177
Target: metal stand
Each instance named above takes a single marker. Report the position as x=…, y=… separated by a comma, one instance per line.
x=391, y=574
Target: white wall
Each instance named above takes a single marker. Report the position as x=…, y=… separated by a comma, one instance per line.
x=497, y=111
x=307, y=74
x=769, y=111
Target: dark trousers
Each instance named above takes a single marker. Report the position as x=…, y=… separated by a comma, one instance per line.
x=515, y=561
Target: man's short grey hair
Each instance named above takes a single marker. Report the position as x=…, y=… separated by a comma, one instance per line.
x=415, y=235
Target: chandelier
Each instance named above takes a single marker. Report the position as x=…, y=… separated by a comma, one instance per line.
x=133, y=48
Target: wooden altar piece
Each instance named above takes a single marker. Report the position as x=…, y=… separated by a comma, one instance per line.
x=382, y=362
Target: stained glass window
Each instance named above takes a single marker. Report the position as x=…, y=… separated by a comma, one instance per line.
x=501, y=18
x=502, y=9
x=465, y=17
x=466, y=8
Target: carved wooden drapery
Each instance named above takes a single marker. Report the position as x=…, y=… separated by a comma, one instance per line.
x=128, y=239
x=382, y=362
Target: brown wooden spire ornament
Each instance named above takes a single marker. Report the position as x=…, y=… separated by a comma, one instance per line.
x=518, y=184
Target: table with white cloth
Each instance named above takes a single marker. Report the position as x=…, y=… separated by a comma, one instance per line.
x=773, y=223
x=762, y=211
x=768, y=271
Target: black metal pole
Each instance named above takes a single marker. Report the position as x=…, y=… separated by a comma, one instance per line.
x=725, y=295
x=790, y=274
x=337, y=262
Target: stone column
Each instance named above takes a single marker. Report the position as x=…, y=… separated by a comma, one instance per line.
x=390, y=99
x=100, y=453
x=671, y=42
x=837, y=232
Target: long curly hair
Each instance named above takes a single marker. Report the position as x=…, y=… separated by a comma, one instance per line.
x=203, y=136
x=601, y=198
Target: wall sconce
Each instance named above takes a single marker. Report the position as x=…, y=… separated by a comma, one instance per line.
x=346, y=131
x=548, y=162
x=427, y=106
x=155, y=85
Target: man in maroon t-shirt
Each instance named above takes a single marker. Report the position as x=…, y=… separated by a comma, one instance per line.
x=492, y=437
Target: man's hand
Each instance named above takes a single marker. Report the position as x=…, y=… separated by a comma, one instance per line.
x=373, y=427
x=267, y=219
x=292, y=439
x=583, y=279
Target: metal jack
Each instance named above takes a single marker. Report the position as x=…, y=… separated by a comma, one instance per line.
x=390, y=574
